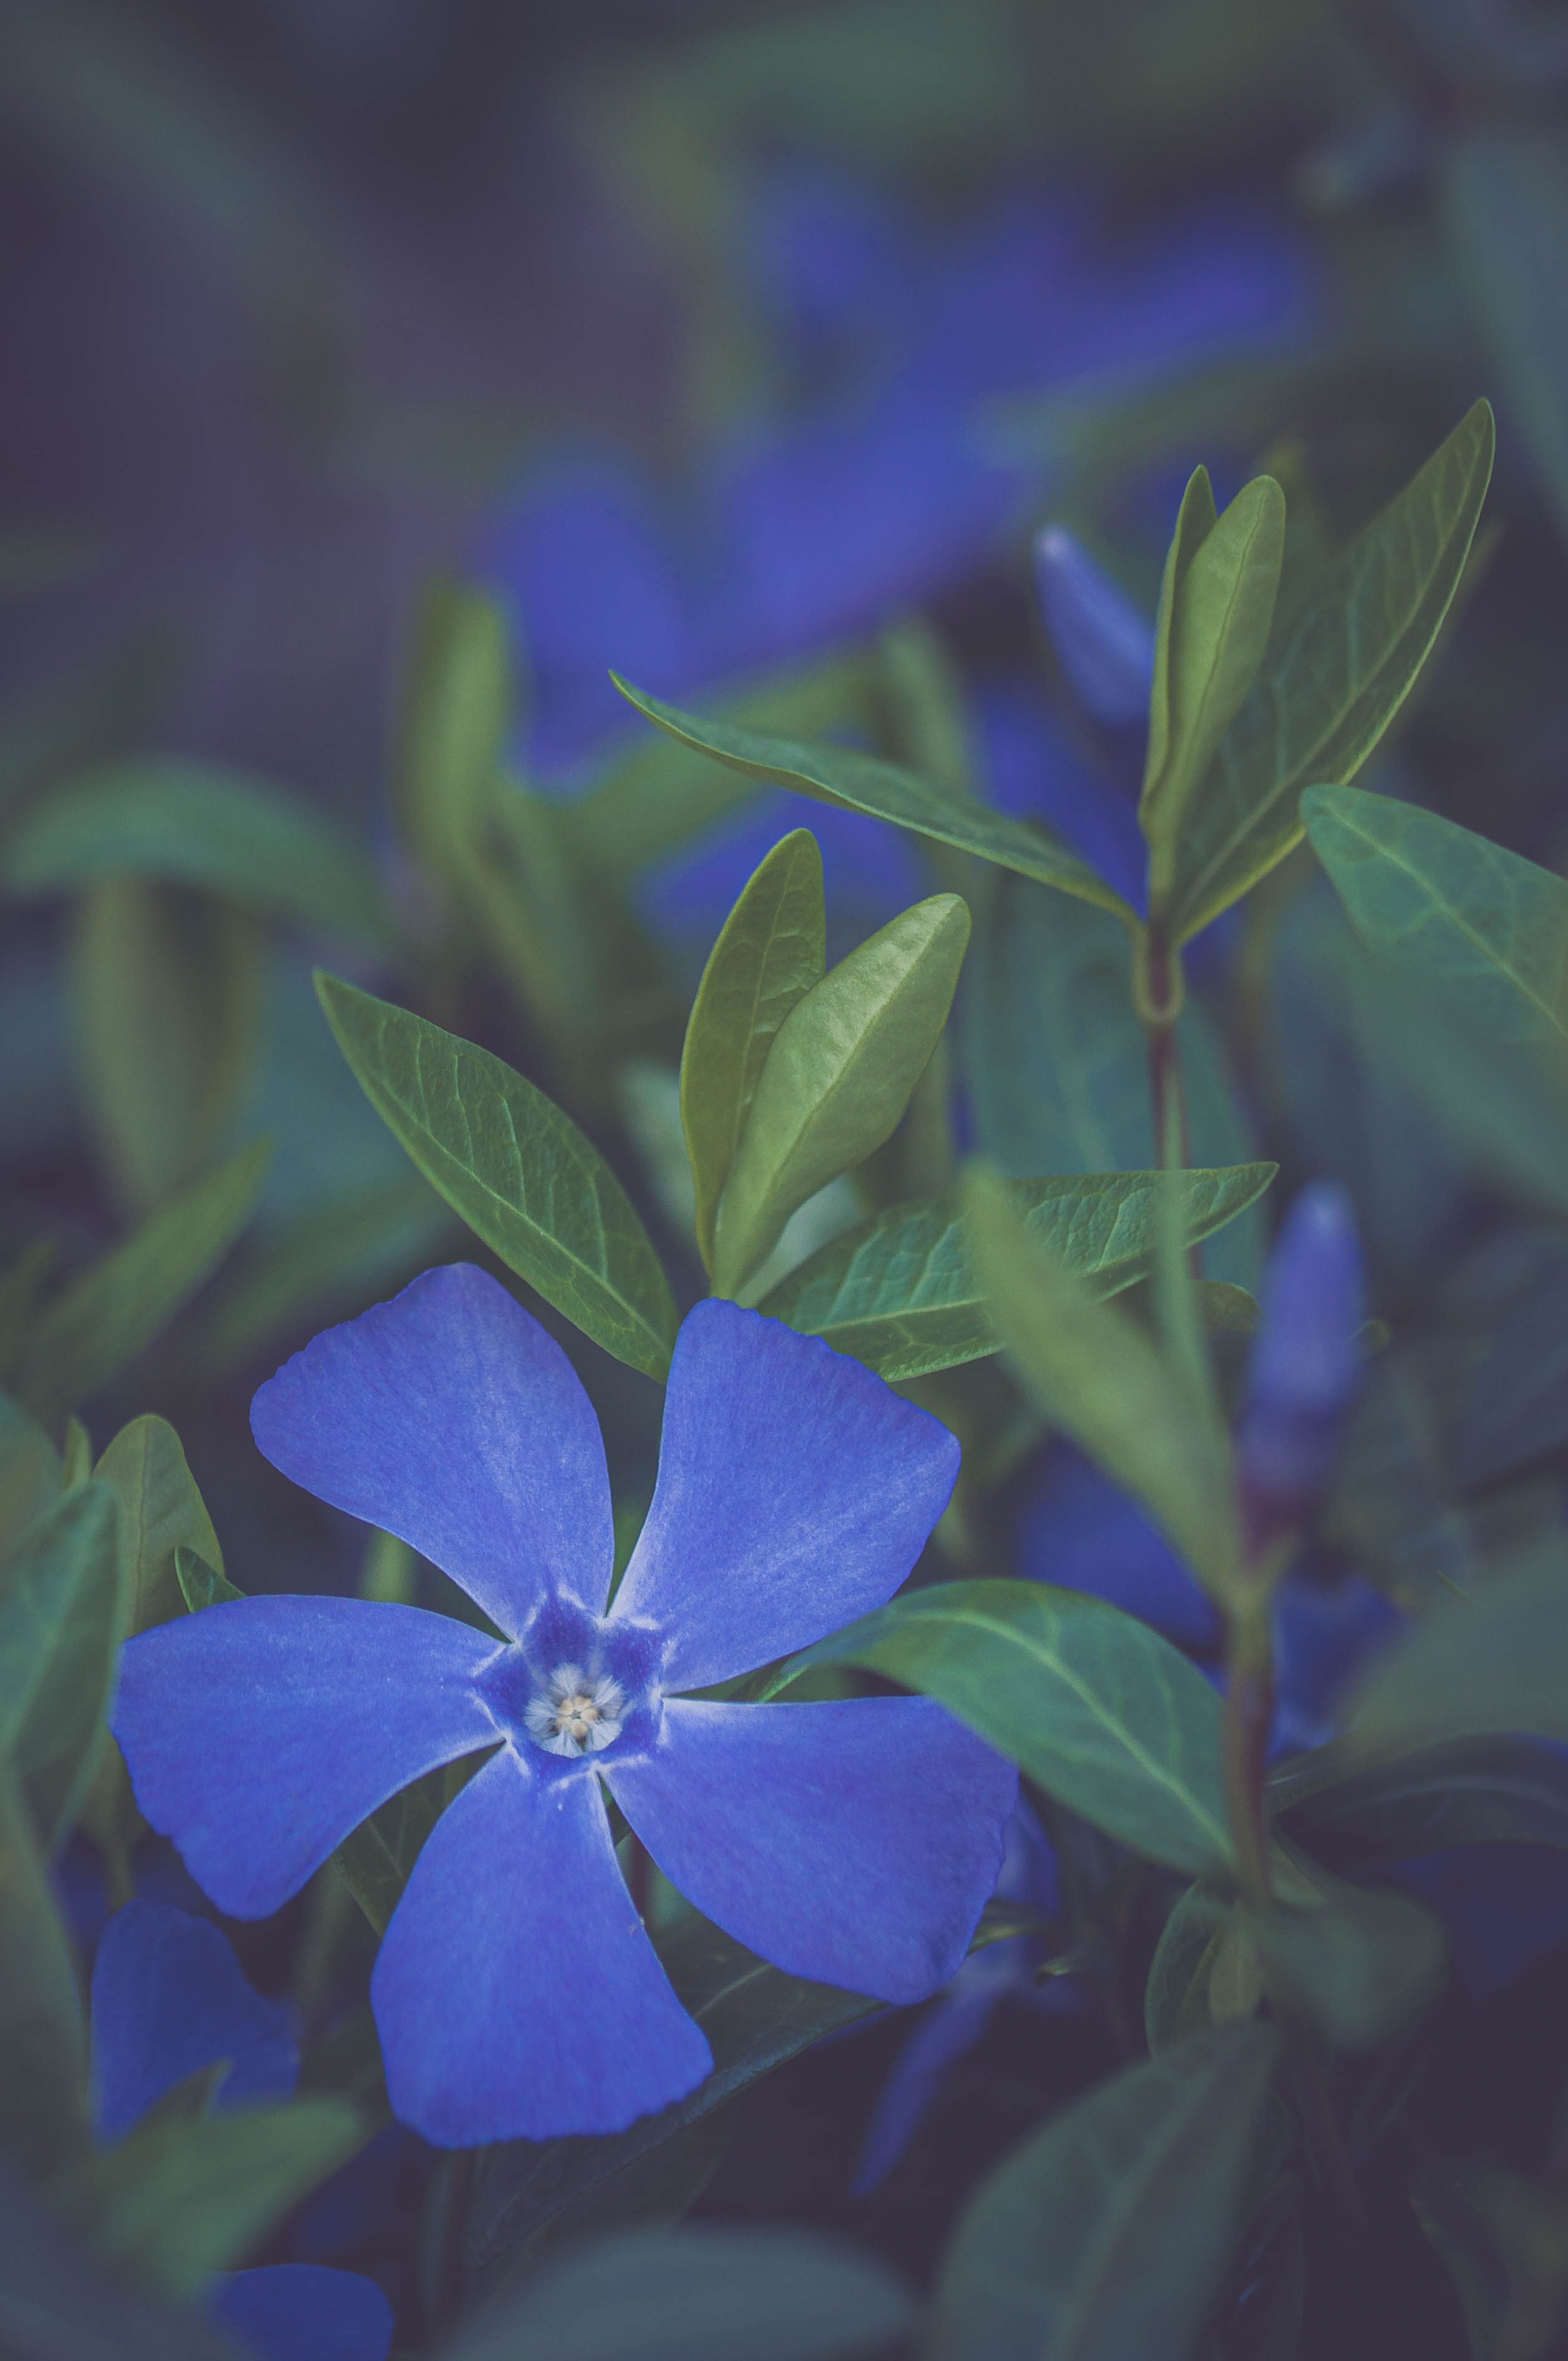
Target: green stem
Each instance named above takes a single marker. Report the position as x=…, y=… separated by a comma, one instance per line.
x=1249, y=1701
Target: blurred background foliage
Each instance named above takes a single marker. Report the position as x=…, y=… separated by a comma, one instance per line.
x=361, y=346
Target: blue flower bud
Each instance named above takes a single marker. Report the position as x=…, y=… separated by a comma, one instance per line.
x=1105, y=640
x=1306, y=1364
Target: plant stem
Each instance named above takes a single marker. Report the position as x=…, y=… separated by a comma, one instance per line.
x=1249, y=1702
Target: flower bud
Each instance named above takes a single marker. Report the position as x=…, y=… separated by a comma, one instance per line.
x=1306, y=1364
x=1104, y=640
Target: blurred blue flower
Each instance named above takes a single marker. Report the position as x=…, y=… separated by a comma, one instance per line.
x=1105, y=639
x=169, y=1999
x=1305, y=1366
x=1080, y=1531
x=516, y=1993
x=959, y=2014
x=883, y=491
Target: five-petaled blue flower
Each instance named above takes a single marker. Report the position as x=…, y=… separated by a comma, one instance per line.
x=516, y=1991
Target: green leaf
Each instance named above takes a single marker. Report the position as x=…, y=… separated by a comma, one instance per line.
x=43, y=2039
x=755, y=2017
x=862, y=782
x=29, y=1472
x=1360, y=1968
x=1463, y=916
x=1092, y=1705
x=518, y=1172
x=1058, y=1063
x=167, y=991
x=1215, y=611
x=1346, y=663
x=1107, y=2234
x=899, y=1293
x=1097, y=1373
x=63, y=1602
x=22, y=1285
x=1504, y=208
x=96, y=1326
x=60, y=2306
x=201, y=1584
x=194, y=824
x=705, y=2294
x=1498, y=1663
x=837, y=1076
x=178, y=2197
x=375, y=1860
x=771, y=950
x=331, y=1260
x=1354, y=1816
x=456, y=715
x=1205, y=1972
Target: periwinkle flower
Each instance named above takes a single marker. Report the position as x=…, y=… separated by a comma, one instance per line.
x=1305, y=1364
x=1105, y=639
x=516, y=1991
x=169, y=1999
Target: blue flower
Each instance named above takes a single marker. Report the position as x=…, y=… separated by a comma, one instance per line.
x=1105, y=639
x=168, y=2000
x=1305, y=1364
x=516, y=1991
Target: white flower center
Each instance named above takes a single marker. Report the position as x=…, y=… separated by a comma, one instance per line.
x=576, y=1714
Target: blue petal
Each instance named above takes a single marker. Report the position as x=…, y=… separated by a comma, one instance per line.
x=258, y=1733
x=450, y=1418
x=1103, y=638
x=1080, y=1532
x=796, y=1492
x=855, y=1843
x=954, y=2024
x=169, y=1998
x=516, y=1993
x=303, y=2311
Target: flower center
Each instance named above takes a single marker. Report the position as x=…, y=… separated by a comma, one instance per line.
x=574, y=1712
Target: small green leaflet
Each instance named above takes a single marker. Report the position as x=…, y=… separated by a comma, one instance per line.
x=194, y=824
x=1346, y=665
x=1106, y=2234
x=771, y=950
x=1099, y=1374
x=1462, y=914
x=837, y=1077
x=518, y=1172
x=900, y=1293
x=1216, y=610
x=1096, y=1708
x=837, y=774
x=180, y=2198
x=201, y=1584
x=63, y=1599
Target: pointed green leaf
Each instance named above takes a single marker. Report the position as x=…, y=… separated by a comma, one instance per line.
x=201, y=1584
x=901, y=1295
x=862, y=782
x=1195, y=520
x=179, y=2198
x=43, y=2039
x=1351, y=1815
x=194, y=824
x=1462, y=915
x=838, y=1075
x=160, y=1511
x=1346, y=663
x=1098, y=1374
x=771, y=949
x=1216, y=611
x=96, y=1326
x=167, y=989
x=1108, y=2233
x=1204, y=1971
x=518, y=1172
x=63, y=1601
x=706, y=2293
x=1092, y=1705
x=456, y=713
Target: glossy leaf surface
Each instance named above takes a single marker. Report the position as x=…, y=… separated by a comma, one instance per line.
x=837, y=1076
x=901, y=1295
x=521, y=1173
x=771, y=951
x=62, y=1615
